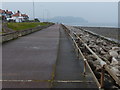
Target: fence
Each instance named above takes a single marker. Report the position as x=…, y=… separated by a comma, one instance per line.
x=104, y=66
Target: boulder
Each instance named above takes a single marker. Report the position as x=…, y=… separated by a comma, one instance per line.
x=114, y=61
x=113, y=53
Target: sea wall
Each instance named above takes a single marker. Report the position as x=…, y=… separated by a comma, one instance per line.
x=17, y=34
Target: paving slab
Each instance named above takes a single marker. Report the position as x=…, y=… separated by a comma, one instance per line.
x=25, y=85
x=83, y=85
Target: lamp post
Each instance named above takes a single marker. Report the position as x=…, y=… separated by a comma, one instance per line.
x=33, y=10
x=43, y=15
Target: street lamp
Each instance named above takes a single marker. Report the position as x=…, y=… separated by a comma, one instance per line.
x=33, y=10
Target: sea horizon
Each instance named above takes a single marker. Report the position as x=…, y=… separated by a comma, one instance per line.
x=109, y=25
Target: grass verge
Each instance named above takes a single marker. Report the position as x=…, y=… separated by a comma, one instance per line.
x=24, y=25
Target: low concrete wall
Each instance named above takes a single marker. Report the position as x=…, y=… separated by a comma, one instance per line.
x=16, y=34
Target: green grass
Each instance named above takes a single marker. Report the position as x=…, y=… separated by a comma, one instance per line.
x=24, y=25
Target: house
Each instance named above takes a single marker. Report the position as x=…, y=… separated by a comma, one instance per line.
x=2, y=14
x=18, y=17
x=25, y=17
x=9, y=16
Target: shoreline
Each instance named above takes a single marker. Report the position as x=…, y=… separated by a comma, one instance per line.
x=109, y=33
x=104, y=25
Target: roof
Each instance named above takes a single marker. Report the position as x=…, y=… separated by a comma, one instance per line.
x=24, y=15
x=17, y=15
x=9, y=12
x=2, y=11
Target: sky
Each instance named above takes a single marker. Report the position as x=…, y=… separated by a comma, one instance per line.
x=94, y=12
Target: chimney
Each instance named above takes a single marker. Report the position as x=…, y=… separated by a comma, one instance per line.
x=18, y=11
x=6, y=10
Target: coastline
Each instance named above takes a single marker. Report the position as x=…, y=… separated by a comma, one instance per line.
x=111, y=33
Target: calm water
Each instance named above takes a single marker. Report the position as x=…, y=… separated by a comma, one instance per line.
x=94, y=24
x=111, y=33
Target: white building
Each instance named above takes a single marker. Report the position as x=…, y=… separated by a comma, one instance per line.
x=18, y=17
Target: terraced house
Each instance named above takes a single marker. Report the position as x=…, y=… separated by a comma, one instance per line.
x=19, y=17
x=7, y=15
x=2, y=14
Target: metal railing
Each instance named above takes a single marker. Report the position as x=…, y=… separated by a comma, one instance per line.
x=104, y=66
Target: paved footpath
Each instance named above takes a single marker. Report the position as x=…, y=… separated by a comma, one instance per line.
x=31, y=57
x=69, y=69
x=34, y=57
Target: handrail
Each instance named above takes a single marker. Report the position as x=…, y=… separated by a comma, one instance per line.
x=84, y=59
x=103, y=64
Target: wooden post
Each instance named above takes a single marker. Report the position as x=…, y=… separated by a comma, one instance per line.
x=79, y=48
x=102, y=77
x=84, y=67
x=78, y=54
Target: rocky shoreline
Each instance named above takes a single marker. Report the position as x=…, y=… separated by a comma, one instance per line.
x=108, y=32
x=107, y=50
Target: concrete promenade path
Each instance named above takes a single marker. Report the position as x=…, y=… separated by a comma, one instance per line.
x=31, y=57
x=69, y=69
x=44, y=59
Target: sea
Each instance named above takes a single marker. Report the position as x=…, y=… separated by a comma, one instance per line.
x=109, y=25
x=113, y=25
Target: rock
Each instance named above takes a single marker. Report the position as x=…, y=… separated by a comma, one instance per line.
x=106, y=49
x=99, y=41
x=98, y=68
x=116, y=48
x=116, y=71
x=91, y=57
x=97, y=62
x=115, y=87
x=94, y=49
x=104, y=43
x=119, y=68
x=114, y=61
x=102, y=52
x=118, y=62
x=87, y=35
x=118, y=56
x=109, y=58
x=90, y=45
x=113, y=53
x=92, y=65
x=97, y=74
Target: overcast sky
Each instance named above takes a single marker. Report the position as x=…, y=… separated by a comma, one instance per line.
x=103, y=12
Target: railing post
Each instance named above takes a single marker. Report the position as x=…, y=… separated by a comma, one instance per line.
x=84, y=72
x=102, y=77
x=79, y=48
x=78, y=53
x=76, y=50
